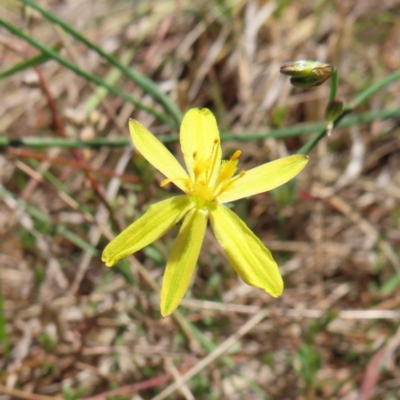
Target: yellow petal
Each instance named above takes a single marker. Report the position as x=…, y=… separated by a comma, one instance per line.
x=158, y=219
x=248, y=256
x=157, y=154
x=182, y=260
x=265, y=177
x=199, y=136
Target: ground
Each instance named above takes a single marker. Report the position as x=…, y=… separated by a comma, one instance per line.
x=73, y=328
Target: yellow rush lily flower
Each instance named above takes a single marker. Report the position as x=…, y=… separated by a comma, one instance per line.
x=208, y=183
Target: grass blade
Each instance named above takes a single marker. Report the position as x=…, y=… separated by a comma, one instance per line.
x=297, y=130
x=44, y=219
x=142, y=81
x=3, y=322
x=28, y=63
x=84, y=74
x=361, y=98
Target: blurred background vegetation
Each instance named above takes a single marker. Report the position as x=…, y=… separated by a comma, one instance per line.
x=72, y=74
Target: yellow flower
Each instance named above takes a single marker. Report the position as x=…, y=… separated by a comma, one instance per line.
x=208, y=183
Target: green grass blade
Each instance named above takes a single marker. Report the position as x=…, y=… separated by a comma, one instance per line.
x=208, y=346
x=3, y=322
x=76, y=240
x=45, y=142
x=123, y=267
x=141, y=80
x=111, y=78
x=297, y=130
x=43, y=218
x=361, y=98
x=84, y=74
x=334, y=84
x=28, y=63
x=367, y=93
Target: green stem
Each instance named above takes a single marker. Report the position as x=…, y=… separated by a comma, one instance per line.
x=39, y=59
x=93, y=78
x=313, y=142
x=297, y=130
x=334, y=84
x=365, y=94
x=141, y=80
x=361, y=98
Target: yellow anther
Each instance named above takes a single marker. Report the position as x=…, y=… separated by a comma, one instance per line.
x=187, y=182
x=165, y=182
x=225, y=183
x=212, y=160
x=236, y=155
x=235, y=178
x=194, y=154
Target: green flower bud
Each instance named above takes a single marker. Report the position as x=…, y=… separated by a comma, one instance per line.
x=333, y=110
x=306, y=82
x=306, y=74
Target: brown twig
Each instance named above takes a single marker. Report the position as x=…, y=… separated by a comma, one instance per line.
x=371, y=376
x=61, y=131
x=20, y=394
x=131, y=389
x=98, y=190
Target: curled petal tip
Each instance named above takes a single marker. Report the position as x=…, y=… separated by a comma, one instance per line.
x=107, y=261
x=164, y=314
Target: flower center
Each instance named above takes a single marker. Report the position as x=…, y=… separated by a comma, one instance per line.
x=207, y=185
x=210, y=178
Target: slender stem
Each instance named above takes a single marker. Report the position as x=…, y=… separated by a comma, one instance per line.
x=301, y=129
x=114, y=89
x=365, y=94
x=313, y=142
x=143, y=81
x=361, y=98
x=39, y=59
x=334, y=83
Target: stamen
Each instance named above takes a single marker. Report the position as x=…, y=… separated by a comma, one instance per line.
x=165, y=182
x=236, y=155
x=214, y=155
x=171, y=180
x=194, y=155
x=235, y=178
x=226, y=185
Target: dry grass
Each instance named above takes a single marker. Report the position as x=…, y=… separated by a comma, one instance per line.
x=75, y=329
